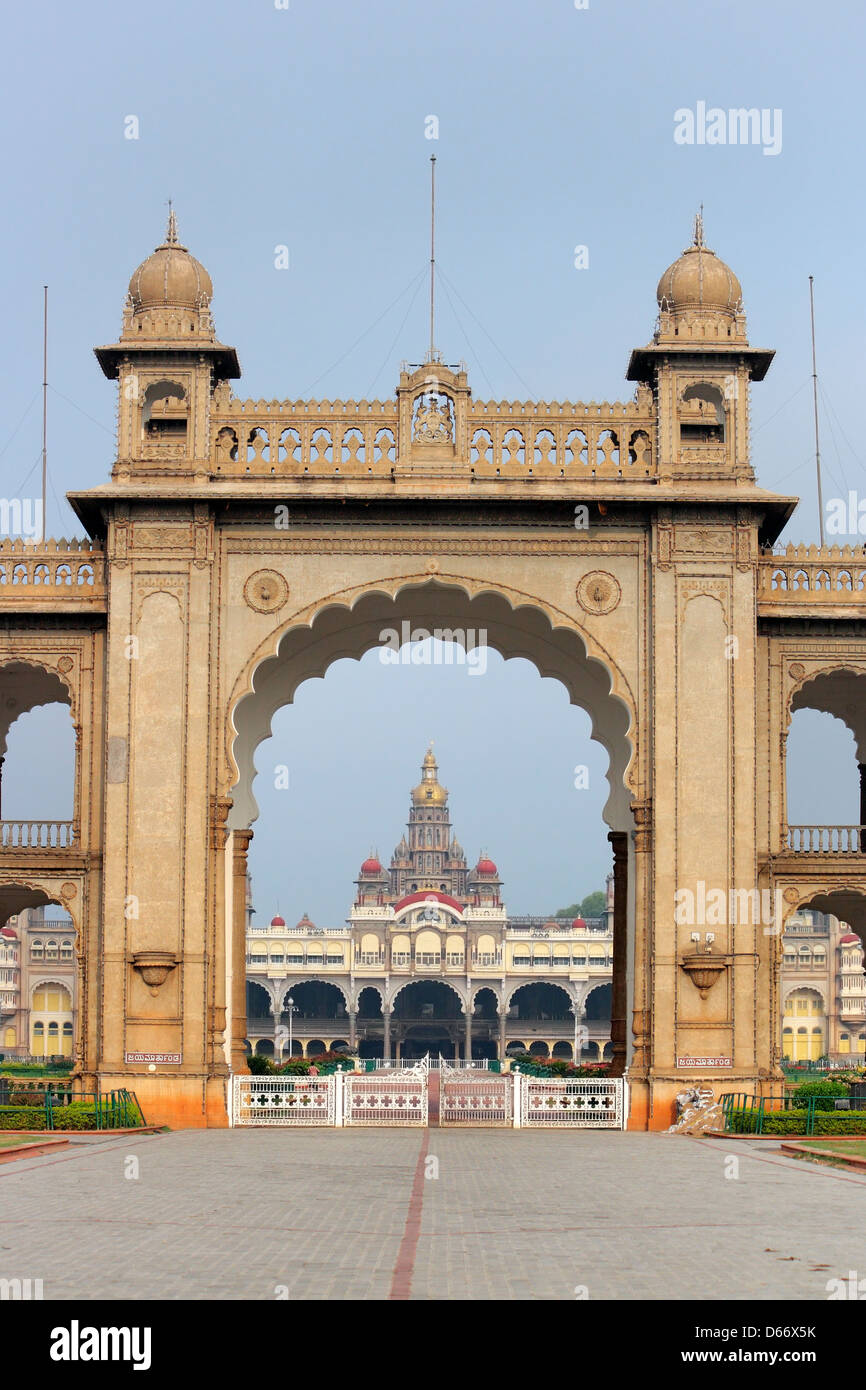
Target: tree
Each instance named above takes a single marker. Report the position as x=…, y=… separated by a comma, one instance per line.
x=593, y=905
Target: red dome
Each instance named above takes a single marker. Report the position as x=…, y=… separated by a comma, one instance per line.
x=849, y=938
x=579, y=924
x=486, y=866
x=9, y=932
x=371, y=866
x=278, y=921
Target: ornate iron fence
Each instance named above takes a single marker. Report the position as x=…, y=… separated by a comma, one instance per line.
x=475, y=1097
x=578, y=1104
x=396, y=1099
x=284, y=1100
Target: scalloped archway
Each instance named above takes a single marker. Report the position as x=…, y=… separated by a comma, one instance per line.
x=352, y=623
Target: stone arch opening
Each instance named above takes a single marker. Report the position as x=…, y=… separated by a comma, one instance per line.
x=351, y=624
x=38, y=809
x=813, y=738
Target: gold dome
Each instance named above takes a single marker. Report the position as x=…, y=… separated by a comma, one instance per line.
x=170, y=277
x=699, y=279
x=429, y=791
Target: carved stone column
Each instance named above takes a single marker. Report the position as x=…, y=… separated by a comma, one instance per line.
x=469, y=1028
x=353, y=1027
x=386, y=1034
x=642, y=1021
x=619, y=999
x=862, y=767
x=216, y=1038
x=240, y=846
x=503, y=1012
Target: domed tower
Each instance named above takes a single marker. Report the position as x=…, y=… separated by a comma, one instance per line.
x=371, y=883
x=485, y=883
x=167, y=362
x=699, y=365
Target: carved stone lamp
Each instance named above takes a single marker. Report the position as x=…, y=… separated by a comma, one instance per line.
x=154, y=967
x=704, y=967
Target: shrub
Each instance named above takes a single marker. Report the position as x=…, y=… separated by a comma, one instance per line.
x=823, y=1091
x=22, y=1117
x=794, y=1122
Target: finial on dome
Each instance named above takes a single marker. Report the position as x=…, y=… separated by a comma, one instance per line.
x=171, y=237
x=699, y=227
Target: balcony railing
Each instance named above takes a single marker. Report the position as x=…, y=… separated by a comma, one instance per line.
x=826, y=839
x=37, y=834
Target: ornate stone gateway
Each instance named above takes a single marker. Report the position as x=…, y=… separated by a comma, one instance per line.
x=242, y=546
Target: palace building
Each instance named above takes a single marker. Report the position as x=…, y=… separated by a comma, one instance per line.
x=823, y=991
x=38, y=985
x=430, y=961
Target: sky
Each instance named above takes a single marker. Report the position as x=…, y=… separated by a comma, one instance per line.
x=306, y=127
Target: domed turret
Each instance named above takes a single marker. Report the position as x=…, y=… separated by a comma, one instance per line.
x=170, y=277
x=699, y=297
x=699, y=279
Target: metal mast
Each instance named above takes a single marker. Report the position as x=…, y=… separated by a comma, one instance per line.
x=815, y=399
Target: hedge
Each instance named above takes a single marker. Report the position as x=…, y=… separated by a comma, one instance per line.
x=795, y=1121
x=78, y=1115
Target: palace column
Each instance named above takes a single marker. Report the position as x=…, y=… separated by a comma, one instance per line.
x=862, y=767
x=240, y=846
x=386, y=1033
x=219, y=1044
x=469, y=1027
x=619, y=1000
x=642, y=1011
x=503, y=1012
x=353, y=1027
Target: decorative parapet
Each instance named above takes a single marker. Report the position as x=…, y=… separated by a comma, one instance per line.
x=70, y=570
x=803, y=580
x=436, y=428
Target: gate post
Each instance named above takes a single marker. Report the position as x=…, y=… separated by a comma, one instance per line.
x=518, y=1091
x=338, y=1098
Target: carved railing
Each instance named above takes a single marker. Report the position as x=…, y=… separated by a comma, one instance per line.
x=37, y=834
x=826, y=839
x=362, y=439
x=811, y=574
x=73, y=569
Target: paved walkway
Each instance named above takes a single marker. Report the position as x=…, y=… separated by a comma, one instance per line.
x=428, y=1214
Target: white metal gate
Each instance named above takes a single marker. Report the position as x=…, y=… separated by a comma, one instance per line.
x=284, y=1100
x=474, y=1097
x=579, y=1104
x=389, y=1098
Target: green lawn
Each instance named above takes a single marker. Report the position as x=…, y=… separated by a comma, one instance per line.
x=856, y=1147
x=7, y=1141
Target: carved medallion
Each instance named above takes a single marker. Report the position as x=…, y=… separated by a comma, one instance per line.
x=598, y=592
x=65, y=664
x=797, y=670
x=68, y=890
x=791, y=895
x=266, y=591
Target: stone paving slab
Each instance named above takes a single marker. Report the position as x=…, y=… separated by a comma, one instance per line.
x=497, y=1214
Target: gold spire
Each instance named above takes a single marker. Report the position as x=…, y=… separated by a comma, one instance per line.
x=429, y=792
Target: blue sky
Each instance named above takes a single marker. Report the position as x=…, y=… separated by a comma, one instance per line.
x=306, y=127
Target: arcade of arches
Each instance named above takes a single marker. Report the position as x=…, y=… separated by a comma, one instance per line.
x=241, y=546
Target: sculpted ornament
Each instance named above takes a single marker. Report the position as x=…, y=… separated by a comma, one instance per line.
x=266, y=591
x=598, y=592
